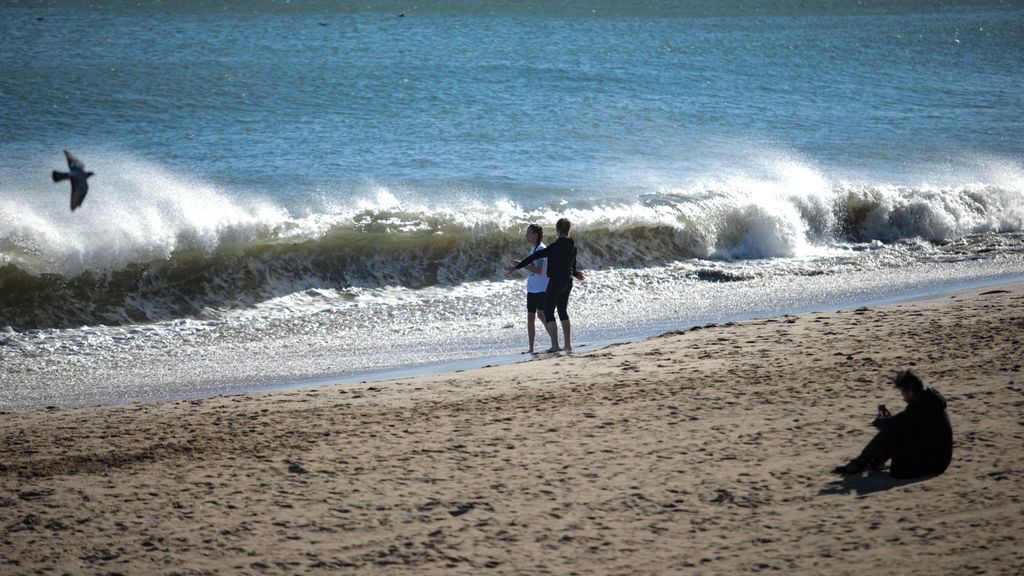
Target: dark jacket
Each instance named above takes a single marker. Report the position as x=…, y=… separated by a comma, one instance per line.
x=561, y=255
x=922, y=436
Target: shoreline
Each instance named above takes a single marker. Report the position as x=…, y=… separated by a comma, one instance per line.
x=701, y=451
x=632, y=335
x=652, y=331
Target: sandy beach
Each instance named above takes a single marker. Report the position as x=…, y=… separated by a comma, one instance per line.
x=704, y=451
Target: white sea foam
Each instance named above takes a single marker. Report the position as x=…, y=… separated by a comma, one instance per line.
x=136, y=212
x=139, y=212
x=160, y=245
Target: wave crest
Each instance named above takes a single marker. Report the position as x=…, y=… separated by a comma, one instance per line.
x=155, y=246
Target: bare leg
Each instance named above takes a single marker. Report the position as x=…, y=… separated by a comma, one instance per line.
x=531, y=330
x=540, y=316
x=552, y=327
x=567, y=334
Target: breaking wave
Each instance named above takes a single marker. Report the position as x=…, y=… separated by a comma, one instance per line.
x=154, y=245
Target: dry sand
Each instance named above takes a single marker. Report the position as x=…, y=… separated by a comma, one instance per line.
x=701, y=452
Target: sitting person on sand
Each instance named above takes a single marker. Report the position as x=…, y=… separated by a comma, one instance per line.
x=919, y=440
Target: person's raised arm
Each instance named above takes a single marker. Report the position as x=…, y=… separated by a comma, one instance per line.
x=542, y=253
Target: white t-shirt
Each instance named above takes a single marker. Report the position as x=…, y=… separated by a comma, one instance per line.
x=538, y=282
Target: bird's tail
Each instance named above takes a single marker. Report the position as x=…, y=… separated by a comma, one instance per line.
x=58, y=176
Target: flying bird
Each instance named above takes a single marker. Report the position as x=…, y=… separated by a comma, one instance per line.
x=78, y=176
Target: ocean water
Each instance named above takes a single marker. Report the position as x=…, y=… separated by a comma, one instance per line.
x=288, y=191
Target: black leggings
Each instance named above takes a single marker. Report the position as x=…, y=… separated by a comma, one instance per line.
x=557, y=296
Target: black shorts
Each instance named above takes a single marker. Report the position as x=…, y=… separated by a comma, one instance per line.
x=534, y=301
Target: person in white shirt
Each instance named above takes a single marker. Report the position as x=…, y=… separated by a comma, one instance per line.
x=560, y=268
x=536, y=284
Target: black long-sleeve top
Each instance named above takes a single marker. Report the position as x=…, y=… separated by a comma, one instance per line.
x=561, y=255
x=925, y=434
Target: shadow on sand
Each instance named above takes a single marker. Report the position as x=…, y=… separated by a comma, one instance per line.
x=869, y=484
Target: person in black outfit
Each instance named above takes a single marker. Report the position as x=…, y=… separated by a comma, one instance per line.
x=561, y=255
x=919, y=440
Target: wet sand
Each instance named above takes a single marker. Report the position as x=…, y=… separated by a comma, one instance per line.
x=706, y=451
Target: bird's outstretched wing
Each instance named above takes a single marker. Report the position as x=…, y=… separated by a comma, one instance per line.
x=79, y=188
x=74, y=162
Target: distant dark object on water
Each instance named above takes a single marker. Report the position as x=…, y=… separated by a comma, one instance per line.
x=78, y=176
